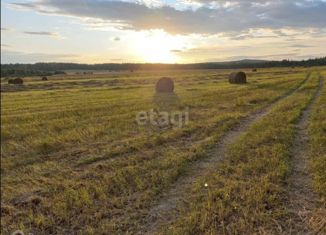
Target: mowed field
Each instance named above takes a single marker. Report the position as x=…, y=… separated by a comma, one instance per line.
x=251, y=160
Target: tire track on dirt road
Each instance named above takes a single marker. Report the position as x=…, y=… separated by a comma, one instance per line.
x=302, y=199
x=165, y=210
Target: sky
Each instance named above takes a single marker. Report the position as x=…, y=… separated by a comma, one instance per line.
x=164, y=31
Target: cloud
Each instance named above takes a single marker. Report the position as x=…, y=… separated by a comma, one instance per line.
x=222, y=17
x=5, y=45
x=10, y=56
x=264, y=57
x=281, y=56
x=116, y=39
x=300, y=46
x=176, y=51
x=251, y=36
x=42, y=33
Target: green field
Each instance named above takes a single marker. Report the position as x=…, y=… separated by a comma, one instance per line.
x=75, y=161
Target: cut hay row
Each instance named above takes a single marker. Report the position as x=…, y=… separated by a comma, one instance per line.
x=166, y=84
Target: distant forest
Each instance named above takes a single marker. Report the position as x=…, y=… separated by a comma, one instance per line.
x=47, y=69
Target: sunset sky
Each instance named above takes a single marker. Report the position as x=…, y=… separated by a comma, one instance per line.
x=168, y=31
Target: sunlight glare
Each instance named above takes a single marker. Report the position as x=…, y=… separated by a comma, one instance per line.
x=156, y=46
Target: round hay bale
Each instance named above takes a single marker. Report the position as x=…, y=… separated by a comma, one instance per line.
x=10, y=81
x=254, y=70
x=164, y=84
x=44, y=78
x=17, y=81
x=238, y=78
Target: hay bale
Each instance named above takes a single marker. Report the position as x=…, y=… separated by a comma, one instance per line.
x=44, y=78
x=16, y=81
x=238, y=78
x=164, y=84
x=254, y=70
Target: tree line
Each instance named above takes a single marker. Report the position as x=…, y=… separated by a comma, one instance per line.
x=47, y=69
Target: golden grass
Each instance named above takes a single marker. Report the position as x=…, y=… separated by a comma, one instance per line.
x=245, y=194
x=75, y=161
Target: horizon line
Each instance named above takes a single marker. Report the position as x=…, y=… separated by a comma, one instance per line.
x=150, y=63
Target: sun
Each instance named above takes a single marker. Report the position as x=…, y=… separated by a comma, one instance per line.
x=156, y=46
